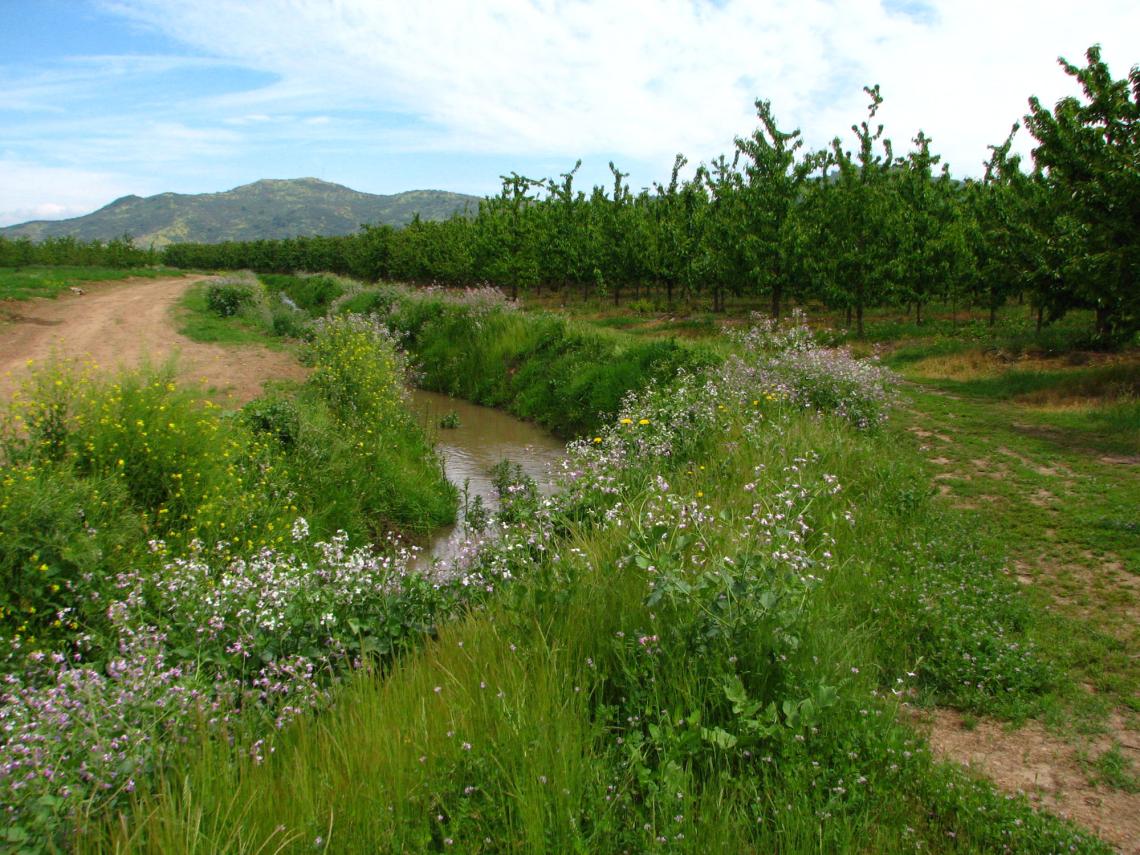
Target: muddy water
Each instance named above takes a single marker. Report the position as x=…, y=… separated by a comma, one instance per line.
x=484, y=437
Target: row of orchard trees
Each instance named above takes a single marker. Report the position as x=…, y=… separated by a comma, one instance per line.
x=853, y=226
x=69, y=251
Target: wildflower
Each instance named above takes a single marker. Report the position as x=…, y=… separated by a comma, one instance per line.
x=643, y=421
x=627, y=421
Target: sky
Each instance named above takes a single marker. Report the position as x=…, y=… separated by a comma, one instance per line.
x=103, y=98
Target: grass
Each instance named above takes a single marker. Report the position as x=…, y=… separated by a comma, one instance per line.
x=704, y=641
x=26, y=283
x=696, y=650
x=197, y=322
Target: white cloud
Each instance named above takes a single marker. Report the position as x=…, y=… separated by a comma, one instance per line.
x=647, y=78
x=29, y=191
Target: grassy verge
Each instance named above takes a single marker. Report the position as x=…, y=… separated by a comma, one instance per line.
x=169, y=567
x=1052, y=491
x=25, y=283
x=567, y=377
x=701, y=643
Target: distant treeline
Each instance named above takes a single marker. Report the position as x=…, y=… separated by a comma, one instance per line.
x=850, y=227
x=68, y=251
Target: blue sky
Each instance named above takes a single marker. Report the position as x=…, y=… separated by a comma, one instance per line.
x=100, y=98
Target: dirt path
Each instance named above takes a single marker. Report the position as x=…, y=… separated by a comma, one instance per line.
x=125, y=323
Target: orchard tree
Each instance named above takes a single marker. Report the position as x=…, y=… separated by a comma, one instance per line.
x=772, y=182
x=1089, y=154
x=680, y=208
x=934, y=255
x=854, y=217
x=563, y=215
x=506, y=244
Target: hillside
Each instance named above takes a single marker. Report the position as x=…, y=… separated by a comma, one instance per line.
x=265, y=209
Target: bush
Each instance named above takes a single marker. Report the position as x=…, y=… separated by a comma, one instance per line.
x=57, y=535
x=226, y=299
x=288, y=323
x=276, y=417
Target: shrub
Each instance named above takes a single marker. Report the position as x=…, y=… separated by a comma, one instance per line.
x=276, y=417
x=288, y=323
x=226, y=299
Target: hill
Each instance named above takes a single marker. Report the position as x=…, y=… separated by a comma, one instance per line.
x=264, y=209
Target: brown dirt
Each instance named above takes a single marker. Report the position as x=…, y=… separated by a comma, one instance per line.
x=1048, y=770
x=124, y=324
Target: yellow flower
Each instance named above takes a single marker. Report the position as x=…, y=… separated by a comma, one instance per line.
x=643, y=421
x=700, y=494
x=597, y=439
x=627, y=421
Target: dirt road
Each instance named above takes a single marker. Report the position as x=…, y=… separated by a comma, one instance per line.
x=124, y=324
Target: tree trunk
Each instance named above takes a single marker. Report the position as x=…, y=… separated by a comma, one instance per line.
x=776, y=294
x=993, y=314
x=918, y=313
x=1103, y=321
x=848, y=323
x=1040, y=318
x=859, y=318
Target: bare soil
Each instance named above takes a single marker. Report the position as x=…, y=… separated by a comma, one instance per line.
x=1048, y=770
x=126, y=324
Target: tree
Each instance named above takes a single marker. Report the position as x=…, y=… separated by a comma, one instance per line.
x=773, y=180
x=934, y=255
x=506, y=246
x=1089, y=155
x=855, y=216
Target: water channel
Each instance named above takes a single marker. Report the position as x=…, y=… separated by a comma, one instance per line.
x=484, y=437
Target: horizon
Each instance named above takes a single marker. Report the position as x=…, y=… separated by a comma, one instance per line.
x=117, y=199
x=110, y=98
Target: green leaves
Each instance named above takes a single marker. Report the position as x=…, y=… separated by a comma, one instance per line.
x=1089, y=156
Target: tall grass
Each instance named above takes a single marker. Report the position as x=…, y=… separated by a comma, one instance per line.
x=701, y=643
x=544, y=368
x=169, y=567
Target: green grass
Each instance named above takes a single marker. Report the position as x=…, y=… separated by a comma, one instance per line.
x=314, y=294
x=615, y=696
x=656, y=677
x=197, y=322
x=566, y=376
x=26, y=283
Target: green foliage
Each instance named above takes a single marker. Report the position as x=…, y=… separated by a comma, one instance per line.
x=566, y=377
x=692, y=646
x=116, y=253
x=854, y=229
x=358, y=374
x=275, y=417
x=226, y=299
x=57, y=532
x=1089, y=154
x=311, y=294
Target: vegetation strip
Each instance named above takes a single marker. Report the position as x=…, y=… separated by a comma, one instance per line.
x=694, y=644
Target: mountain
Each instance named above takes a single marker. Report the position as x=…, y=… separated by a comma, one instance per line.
x=264, y=209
